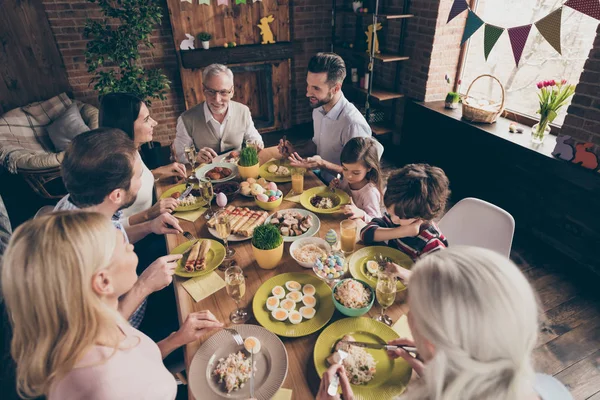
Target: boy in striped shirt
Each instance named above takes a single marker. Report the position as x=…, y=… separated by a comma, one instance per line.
x=415, y=195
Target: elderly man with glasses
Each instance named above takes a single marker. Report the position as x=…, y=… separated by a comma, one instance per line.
x=218, y=124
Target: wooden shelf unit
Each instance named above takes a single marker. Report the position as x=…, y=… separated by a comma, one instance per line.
x=377, y=93
x=343, y=10
x=384, y=57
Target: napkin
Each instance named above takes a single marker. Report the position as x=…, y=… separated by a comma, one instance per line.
x=401, y=328
x=283, y=394
x=203, y=286
x=191, y=216
x=292, y=197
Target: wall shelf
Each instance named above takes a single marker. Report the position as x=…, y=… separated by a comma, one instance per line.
x=377, y=93
x=343, y=10
x=384, y=57
x=200, y=58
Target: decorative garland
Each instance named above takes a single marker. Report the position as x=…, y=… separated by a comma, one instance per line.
x=549, y=26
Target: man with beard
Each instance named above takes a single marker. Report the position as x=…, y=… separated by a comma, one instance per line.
x=102, y=172
x=335, y=119
x=218, y=124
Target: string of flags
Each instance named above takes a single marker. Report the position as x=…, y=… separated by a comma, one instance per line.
x=549, y=26
x=221, y=2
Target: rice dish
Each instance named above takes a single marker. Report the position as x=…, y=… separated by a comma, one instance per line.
x=187, y=201
x=234, y=371
x=352, y=294
x=360, y=365
x=324, y=203
x=309, y=253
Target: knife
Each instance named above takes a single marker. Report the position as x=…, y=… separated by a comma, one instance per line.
x=187, y=191
x=379, y=346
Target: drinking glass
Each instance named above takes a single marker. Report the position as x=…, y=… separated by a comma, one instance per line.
x=190, y=154
x=348, y=229
x=386, y=294
x=298, y=180
x=235, y=284
x=223, y=228
x=208, y=193
x=252, y=143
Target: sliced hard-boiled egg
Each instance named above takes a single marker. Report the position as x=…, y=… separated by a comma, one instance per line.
x=279, y=314
x=294, y=296
x=279, y=292
x=307, y=312
x=252, y=344
x=309, y=289
x=293, y=285
x=295, y=317
x=287, y=304
x=373, y=267
x=272, y=303
x=309, y=301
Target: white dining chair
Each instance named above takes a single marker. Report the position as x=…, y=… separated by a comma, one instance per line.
x=43, y=211
x=475, y=222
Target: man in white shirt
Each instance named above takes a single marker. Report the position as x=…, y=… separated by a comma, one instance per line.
x=335, y=119
x=218, y=124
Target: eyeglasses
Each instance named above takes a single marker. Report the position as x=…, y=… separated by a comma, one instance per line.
x=213, y=93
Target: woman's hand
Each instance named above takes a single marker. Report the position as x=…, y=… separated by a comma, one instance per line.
x=159, y=274
x=397, y=271
x=162, y=206
x=196, y=325
x=175, y=169
x=328, y=376
x=414, y=362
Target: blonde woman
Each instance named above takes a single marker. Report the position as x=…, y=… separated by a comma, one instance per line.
x=62, y=277
x=474, y=319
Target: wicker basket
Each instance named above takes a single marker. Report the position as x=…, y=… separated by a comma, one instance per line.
x=487, y=114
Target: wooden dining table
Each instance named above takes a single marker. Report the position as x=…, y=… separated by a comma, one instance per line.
x=302, y=377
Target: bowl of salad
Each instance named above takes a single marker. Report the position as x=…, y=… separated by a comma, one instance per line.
x=353, y=297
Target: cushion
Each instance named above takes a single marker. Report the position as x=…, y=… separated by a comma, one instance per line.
x=66, y=127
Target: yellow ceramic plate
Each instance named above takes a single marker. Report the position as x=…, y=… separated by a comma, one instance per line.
x=339, y=199
x=358, y=263
x=272, y=177
x=200, y=202
x=391, y=376
x=216, y=255
x=324, y=305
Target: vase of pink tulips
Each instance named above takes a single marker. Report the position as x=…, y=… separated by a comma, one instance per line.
x=553, y=95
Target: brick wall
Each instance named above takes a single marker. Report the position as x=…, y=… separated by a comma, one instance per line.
x=583, y=116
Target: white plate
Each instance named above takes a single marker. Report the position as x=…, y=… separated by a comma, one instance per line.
x=311, y=232
x=200, y=172
x=308, y=240
x=231, y=238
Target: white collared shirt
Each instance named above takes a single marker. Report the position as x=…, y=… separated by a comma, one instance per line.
x=210, y=119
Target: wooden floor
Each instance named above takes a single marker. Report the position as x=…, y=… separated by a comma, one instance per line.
x=569, y=341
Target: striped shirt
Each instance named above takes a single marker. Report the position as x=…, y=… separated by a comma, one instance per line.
x=65, y=205
x=429, y=238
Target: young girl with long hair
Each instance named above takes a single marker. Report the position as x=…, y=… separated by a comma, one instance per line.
x=361, y=178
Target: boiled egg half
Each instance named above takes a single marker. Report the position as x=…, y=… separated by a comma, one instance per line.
x=252, y=344
x=279, y=292
x=272, y=303
x=295, y=317
x=307, y=312
x=279, y=314
x=293, y=285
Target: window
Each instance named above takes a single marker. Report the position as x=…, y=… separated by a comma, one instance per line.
x=539, y=60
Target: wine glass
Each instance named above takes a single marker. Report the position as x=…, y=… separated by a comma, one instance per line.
x=386, y=294
x=223, y=228
x=208, y=193
x=190, y=154
x=235, y=283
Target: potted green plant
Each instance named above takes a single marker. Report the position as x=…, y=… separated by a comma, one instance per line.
x=452, y=99
x=248, y=163
x=552, y=96
x=204, y=37
x=267, y=246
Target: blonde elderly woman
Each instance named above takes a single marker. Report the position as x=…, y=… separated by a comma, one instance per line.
x=474, y=319
x=62, y=277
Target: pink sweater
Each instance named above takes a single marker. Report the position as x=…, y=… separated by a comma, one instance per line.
x=367, y=199
x=136, y=372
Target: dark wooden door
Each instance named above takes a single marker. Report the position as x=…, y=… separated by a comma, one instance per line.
x=31, y=67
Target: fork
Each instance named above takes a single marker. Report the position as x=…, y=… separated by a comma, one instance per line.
x=236, y=336
x=331, y=188
x=188, y=236
x=238, y=339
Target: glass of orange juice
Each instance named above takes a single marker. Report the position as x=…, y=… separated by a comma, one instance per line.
x=348, y=229
x=298, y=180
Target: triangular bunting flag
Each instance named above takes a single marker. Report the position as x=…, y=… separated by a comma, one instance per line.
x=588, y=7
x=549, y=27
x=473, y=23
x=458, y=7
x=240, y=1
x=518, y=37
x=206, y=2
x=222, y=2
x=490, y=37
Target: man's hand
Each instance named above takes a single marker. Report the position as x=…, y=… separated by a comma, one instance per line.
x=308, y=163
x=162, y=206
x=206, y=155
x=197, y=324
x=328, y=376
x=414, y=362
x=285, y=147
x=164, y=224
x=159, y=274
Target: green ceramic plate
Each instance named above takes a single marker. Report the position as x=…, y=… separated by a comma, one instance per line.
x=324, y=306
x=391, y=376
x=340, y=198
x=216, y=255
x=272, y=177
x=359, y=259
x=200, y=202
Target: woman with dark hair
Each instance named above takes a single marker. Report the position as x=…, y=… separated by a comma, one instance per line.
x=130, y=114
